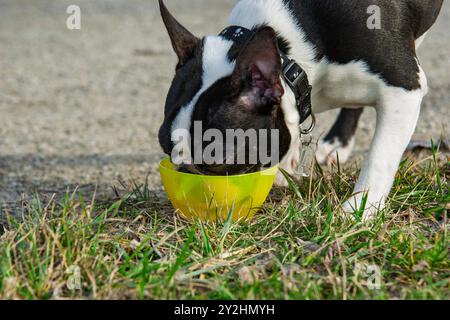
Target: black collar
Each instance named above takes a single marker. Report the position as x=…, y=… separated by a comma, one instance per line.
x=293, y=74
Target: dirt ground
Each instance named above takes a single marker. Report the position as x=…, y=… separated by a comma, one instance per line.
x=83, y=107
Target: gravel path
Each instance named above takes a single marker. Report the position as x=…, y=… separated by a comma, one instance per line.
x=83, y=108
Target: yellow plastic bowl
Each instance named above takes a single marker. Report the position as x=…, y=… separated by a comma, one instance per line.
x=212, y=198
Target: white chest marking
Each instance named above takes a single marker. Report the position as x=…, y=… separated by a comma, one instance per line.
x=349, y=85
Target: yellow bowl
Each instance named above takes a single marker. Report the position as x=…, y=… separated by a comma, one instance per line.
x=212, y=198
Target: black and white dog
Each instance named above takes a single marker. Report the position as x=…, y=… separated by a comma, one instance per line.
x=240, y=84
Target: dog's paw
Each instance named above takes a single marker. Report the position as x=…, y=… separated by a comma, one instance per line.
x=328, y=152
x=363, y=206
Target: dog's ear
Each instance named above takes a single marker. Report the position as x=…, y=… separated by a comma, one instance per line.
x=259, y=64
x=183, y=42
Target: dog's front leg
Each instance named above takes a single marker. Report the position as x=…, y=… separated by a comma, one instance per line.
x=397, y=114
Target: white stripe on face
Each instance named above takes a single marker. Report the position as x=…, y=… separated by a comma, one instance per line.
x=215, y=67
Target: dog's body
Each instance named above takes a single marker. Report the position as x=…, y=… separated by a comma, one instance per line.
x=348, y=64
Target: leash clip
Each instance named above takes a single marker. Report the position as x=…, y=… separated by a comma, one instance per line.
x=307, y=156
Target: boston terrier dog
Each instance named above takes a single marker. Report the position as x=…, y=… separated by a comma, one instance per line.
x=280, y=61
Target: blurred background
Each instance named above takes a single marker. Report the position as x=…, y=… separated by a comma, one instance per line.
x=83, y=107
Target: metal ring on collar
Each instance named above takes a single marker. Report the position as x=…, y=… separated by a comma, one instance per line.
x=311, y=127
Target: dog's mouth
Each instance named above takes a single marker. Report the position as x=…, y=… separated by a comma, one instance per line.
x=219, y=169
x=230, y=165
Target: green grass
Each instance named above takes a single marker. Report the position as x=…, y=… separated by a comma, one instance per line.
x=300, y=246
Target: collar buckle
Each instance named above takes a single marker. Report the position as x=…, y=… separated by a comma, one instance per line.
x=297, y=79
x=293, y=74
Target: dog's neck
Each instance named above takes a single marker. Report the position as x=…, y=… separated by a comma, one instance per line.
x=292, y=75
x=274, y=13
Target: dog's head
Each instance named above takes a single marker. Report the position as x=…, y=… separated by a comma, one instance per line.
x=224, y=87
